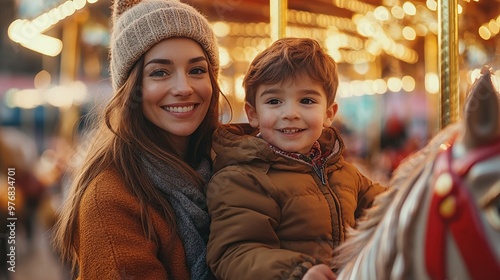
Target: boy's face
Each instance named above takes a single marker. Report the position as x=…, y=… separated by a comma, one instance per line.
x=291, y=115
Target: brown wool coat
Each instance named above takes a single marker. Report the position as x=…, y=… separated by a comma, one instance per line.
x=111, y=242
x=271, y=215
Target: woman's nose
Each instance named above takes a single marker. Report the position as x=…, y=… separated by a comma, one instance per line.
x=181, y=86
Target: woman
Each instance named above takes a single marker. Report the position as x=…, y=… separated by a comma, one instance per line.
x=136, y=207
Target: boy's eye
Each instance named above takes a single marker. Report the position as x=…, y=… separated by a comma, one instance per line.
x=273, y=101
x=307, y=101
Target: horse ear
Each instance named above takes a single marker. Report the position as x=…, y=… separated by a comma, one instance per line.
x=482, y=109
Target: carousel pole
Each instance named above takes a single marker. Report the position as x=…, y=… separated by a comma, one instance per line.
x=68, y=74
x=278, y=18
x=448, y=58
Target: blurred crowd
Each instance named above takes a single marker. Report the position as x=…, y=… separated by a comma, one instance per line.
x=38, y=191
x=378, y=160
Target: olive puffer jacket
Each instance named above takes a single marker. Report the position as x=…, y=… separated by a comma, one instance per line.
x=272, y=216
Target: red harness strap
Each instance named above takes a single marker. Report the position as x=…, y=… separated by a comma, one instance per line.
x=452, y=209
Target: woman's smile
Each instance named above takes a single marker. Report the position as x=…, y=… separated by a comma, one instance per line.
x=179, y=109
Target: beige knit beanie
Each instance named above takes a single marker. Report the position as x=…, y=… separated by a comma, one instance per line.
x=139, y=25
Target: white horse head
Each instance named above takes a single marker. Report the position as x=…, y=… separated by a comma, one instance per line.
x=441, y=218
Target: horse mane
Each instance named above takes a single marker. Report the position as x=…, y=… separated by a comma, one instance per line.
x=379, y=246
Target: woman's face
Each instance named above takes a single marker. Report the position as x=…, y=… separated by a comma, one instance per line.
x=176, y=87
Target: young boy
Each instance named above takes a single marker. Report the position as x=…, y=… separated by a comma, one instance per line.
x=283, y=197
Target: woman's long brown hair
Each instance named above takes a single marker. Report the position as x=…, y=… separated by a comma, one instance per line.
x=122, y=135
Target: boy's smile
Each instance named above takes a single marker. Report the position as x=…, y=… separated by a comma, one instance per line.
x=291, y=130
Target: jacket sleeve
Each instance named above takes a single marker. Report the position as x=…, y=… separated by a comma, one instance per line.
x=112, y=243
x=243, y=243
x=368, y=190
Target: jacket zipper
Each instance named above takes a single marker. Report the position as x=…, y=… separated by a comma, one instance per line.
x=320, y=171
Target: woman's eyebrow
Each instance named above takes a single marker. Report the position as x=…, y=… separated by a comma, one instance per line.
x=170, y=62
x=197, y=59
x=159, y=61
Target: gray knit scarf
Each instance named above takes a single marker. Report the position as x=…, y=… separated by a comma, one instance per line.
x=189, y=205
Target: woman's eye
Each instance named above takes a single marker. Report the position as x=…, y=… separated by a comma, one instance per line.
x=198, y=71
x=159, y=73
x=307, y=101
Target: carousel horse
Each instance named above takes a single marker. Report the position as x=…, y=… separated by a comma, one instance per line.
x=441, y=217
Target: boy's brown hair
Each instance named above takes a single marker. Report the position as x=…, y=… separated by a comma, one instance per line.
x=288, y=58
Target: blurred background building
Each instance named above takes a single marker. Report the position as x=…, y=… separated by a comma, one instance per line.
x=54, y=70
